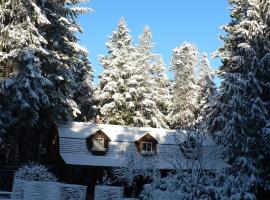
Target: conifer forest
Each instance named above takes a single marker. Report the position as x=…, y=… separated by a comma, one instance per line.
x=47, y=79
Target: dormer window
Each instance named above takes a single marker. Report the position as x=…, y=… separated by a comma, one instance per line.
x=98, y=143
x=146, y=145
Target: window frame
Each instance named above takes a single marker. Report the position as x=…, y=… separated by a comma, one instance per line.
x=145, y=150
x=98, y=140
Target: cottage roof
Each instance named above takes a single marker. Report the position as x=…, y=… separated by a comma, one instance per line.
x=114, y=132
x=74, y=151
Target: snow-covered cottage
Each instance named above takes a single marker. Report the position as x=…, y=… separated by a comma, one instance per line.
x=86, y=150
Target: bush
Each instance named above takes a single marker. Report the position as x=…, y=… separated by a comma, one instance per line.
x=34, y=172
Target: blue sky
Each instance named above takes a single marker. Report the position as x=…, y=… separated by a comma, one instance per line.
x=172, y=22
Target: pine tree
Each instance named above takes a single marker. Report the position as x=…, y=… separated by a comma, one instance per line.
x=130, y=86
x=40, y=60
x=240, y=117
x=184, y=106
x=206, y=89
x=73, y=68
x=156, y=98
x=22, y=84
x=117, y=91
x=84, y=94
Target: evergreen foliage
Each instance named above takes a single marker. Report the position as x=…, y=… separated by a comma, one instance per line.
x=116, y=98
x=41, y=67
x=184, y=103
x=239, y=117
x=206, y=89
x=132, y=85
x=156, y=98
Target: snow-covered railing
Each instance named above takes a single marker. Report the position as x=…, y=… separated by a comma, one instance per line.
x=103, y=192
x=38, y=190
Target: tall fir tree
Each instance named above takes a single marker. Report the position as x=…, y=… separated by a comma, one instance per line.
x=126, y=92
x=155, y=100
x=84, y=93
x=40, y=60
x=184, y=103
x=206, y=89
x=239, y=117
x=115, y=97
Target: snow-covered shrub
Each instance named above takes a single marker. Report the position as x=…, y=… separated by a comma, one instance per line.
x=190, y=186
x=195, y=170
x=34, y=172
x=193, y=158
x=136, y=166
x=106, y=179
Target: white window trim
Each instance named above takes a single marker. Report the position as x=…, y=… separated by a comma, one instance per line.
x=146, y=151
x=99, y=139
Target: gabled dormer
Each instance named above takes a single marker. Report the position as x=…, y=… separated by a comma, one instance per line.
x=98, y=143
x=147, y=145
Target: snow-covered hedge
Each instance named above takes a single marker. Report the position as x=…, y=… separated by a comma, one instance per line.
x=34, y=172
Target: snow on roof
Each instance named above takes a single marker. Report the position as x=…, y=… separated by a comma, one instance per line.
x=74, y=151
x=114, y=132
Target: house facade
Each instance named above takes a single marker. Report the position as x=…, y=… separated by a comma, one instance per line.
x=87, y=151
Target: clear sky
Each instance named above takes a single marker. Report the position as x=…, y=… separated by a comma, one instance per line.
x=172, y=22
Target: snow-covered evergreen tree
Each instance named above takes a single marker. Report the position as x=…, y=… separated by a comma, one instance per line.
x=22, y=84
x=156, y=98
x=40, y=61
x=73, y=69
x=206, y=88
x=84, y=94
x=239, y=117
x=133, y=82
x=117, y=90
x=184, y=103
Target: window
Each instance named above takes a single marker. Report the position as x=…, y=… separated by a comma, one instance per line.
x=99, y=141
x=98, y=144
x=147, y=146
